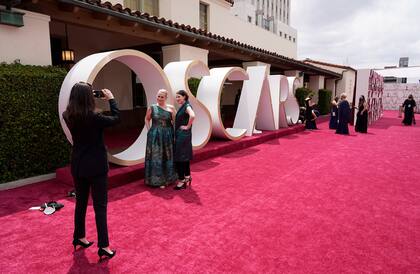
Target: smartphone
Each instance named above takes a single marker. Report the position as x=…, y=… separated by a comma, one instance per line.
x=98, y=93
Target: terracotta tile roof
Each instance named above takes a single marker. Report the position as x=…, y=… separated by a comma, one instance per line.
x=307, y=60
x=159, y=22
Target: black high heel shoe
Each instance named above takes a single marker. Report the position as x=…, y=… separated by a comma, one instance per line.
x=103, y=252
x=77, y=242
x=183, y=186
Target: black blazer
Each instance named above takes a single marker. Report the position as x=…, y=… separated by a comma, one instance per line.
x=89, y=155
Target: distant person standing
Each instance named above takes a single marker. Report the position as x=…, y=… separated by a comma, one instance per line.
x=409, y=106
x=362, y=116
x=334, y=114
x=310, y=115
x=343, y=115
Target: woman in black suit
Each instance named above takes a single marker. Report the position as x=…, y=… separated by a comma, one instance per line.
x=89, y=163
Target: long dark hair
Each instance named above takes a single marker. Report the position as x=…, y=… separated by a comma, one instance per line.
x=183, y=93
x=362, y=100
x=81, y=102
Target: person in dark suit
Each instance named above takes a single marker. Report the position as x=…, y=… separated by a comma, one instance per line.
x=334, y=114
x=343, y=115
x=89, y=163
x=183, y=151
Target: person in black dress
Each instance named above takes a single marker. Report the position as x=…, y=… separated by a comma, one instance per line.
x=409, y=106
x=362, y=116
x=334, y=114
x=183, y=140
x=310, y=115
x=89, y=162
x=343, y=115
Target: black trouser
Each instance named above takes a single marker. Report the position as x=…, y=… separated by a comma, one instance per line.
x=183, y=169
x=100, y=200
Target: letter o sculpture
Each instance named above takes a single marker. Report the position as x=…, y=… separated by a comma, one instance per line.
x=291, y=105
x=152, y=76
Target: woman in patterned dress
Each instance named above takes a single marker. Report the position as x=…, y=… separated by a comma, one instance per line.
x=159, y=166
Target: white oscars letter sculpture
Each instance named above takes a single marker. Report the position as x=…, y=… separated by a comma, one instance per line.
x=265, y=119
x=291, y=105
x=267, y=102
x=279, y=89
x=249, y=102
x=209, y=93
x=178, y=74
x=151, y=74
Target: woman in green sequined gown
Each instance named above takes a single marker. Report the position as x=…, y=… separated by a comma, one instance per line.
x=159, y=166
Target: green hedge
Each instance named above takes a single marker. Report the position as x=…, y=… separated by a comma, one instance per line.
x=324, y=100
x=31, y=140
x=301, y=94
x=193, y=85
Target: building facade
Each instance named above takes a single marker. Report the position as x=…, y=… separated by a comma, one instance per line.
x=346, y=84
x=271, y=15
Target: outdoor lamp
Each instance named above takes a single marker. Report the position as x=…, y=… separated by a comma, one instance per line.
x=67, y=56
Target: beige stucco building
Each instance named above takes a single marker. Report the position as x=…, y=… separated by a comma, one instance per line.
x=346, y=84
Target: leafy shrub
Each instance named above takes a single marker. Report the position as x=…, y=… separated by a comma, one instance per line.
x=193, y=85
x=301, y=94
x=324, y=100
x=31, y=140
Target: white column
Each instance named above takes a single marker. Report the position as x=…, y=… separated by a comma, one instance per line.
x=181, y=52
x=330, y=84
x=316, y=83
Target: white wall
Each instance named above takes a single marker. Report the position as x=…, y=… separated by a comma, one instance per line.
x=30, y=43
x=395, y=94
x=182, y=11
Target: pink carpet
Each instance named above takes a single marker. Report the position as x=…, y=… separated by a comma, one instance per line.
x=312, y=202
